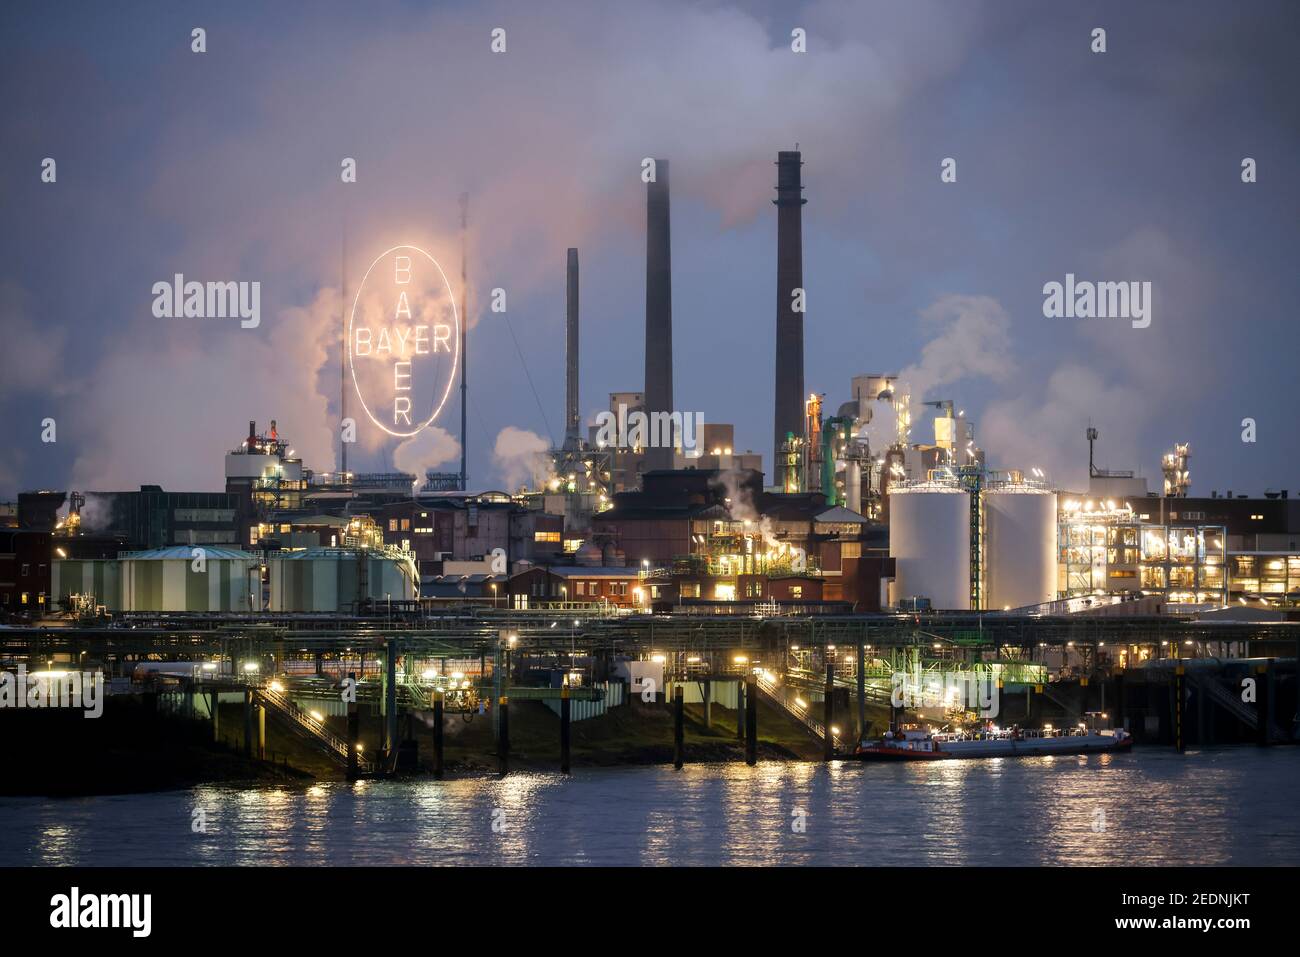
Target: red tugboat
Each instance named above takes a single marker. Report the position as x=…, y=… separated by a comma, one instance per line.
x=915, y=744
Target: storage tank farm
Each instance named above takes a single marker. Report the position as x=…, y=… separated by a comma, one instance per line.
x=1019, y=547
x=929, y=539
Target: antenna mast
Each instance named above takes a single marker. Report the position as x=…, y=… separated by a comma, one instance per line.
x=464, y=322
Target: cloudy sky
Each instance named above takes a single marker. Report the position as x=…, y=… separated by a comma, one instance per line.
x=225, y=165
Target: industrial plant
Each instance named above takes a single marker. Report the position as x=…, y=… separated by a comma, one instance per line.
x=854, y=513
x=850, y=580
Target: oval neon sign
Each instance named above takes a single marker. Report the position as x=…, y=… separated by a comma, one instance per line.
x=403, y=340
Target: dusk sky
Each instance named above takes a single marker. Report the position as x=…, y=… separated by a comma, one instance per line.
x=1117, y=166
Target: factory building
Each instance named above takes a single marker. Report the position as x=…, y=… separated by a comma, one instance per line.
x=25, y=573
x=717, y=536
x=470, y=526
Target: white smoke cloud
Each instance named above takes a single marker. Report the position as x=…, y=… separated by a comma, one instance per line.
x=519, y=457
x=971, y=343
x=431, y=448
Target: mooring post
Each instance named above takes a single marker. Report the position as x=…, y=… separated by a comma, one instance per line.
x=437, y=734
x=503, y=735
x=1180, y=707
x=566, y=715
x=862, y=691
x=829, y=712
x=390, y=697
x=354, y=728
x=1263, y=701
x=261, y=732
x=679, y=711
x=751, y=720
x=740, y=708
x=215, y=698
x=708, y=703
x=248, y=722
x=1121, y=719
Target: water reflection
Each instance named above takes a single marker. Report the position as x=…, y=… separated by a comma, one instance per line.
x=1229, y=806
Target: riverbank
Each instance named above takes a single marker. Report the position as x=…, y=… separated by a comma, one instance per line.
x=131, y=749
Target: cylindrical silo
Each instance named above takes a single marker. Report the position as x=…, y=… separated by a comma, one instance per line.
x=929, y=540
x=189, y=578
x=336, y=580
x=1020, y=555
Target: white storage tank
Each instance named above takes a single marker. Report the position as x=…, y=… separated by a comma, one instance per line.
x=1020, y=555
x=929, y=540
x=1019, y=546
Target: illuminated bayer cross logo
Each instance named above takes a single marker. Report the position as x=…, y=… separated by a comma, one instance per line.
x=403, y=340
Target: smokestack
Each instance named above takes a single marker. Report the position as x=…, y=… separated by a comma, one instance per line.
x=658, y=311
x=789, y=395
x=572, y=418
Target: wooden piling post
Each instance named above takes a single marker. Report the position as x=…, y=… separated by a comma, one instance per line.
x=354, y=730
x=503, y=735
x=740, y=708
x=1263, y=702
x=261, y=732
x=828, y=751
x=248, y=723
x=679, y=711
x=390, y=698
x=708, y=703
x=215, y=698
x=862, y=691
x=1119, y=705
x=1180, y=707
x=437, y=735
x=566, y=716
x=751, y=720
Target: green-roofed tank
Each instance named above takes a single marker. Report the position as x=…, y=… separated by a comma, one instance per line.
x=190, y=578
x=335, y=580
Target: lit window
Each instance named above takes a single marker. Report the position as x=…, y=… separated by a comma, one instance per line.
x=392, y=524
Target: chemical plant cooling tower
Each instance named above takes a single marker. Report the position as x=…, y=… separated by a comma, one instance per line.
x=929, y=539
x=1019, y=546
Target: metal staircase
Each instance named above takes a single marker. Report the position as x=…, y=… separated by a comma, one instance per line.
x=308, y=727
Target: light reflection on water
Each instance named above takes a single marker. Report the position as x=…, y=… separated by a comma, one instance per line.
x=1229, y=806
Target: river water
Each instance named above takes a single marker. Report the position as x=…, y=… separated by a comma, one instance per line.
x=1152, y=807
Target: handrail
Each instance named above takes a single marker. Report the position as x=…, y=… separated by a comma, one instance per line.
x=769, y=688
x=336, y=744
